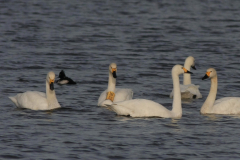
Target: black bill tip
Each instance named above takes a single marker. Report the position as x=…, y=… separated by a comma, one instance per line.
x=193, y=67
x=52, y=86
x=205, y=77
x=114, y=74
x=189, y=72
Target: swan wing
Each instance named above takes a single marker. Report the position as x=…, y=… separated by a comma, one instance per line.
x=227, y=105
x=123, y=94
x=31, y=99
x=120, y=95
x=140, y=108
x=188, y=91
x=102, y=97
x=194, y=90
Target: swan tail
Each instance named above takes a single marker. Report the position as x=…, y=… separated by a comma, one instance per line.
x=14, y=100
x=171, y=95
x=110, y=107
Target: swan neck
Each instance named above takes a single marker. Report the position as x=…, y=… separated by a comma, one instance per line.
x=111, y=83
x=51, y=97
x=208, y=104
x=177, y=104
x=187, y=77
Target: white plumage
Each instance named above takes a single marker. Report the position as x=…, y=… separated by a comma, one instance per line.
x=227, y=105
x=38, y=100
x=121, y=94
x=147, y=108
x=189, y=90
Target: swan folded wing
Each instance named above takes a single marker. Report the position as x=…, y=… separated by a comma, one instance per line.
x=140, y=108
x=105, y=103
x=32, y=100
x=183, y=89
x=193, y=89
x=123, y=94
x=227, y=105
x=120, y=95
x=102, y=97
x=188, y=91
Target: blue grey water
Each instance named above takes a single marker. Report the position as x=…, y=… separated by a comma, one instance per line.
x=146, y=38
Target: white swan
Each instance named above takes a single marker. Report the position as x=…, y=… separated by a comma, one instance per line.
x=113, y=94
x=38, y=100
x=188, y=90
x=227, y=105
x=147, y=108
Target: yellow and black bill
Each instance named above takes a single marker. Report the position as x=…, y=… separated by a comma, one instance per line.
x=114, y=72
x=206, y=75
x=52, y=84
x=187, y=71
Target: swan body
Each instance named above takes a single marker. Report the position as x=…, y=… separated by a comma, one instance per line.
x=38, y=100
x=64, y=79
x=189, y=90
x=121, y=94
x=147, y=108
x=227, y=105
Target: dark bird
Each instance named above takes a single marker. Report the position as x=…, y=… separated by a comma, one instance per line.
x=64, y=79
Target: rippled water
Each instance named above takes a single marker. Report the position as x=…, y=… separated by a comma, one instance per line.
x=146, y=39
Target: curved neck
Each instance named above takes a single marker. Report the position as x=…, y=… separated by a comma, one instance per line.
x=51, y=97
x=111, y=83
x=177, y=104
x=187, y=77
x=207, y=105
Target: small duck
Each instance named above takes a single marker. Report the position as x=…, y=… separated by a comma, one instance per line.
x=64, y=79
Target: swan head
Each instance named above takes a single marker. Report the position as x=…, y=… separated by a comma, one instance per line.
x=190, y=61
x=211, y=72
x=113, y=69
x=50, y=79
x=179, y=69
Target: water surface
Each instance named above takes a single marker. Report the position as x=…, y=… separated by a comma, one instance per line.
x=146, y=39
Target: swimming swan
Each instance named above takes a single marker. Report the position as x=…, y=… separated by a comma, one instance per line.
x=227, y=105
x=189, y=90
x=64, y=79
x=147, y=108
x=38, y=100
x=113, y=94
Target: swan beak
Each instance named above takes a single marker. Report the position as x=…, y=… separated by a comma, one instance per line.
x=206, y=75
x=186, y=71
x=114, y=72
x=51, y=84
x=193, y=67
